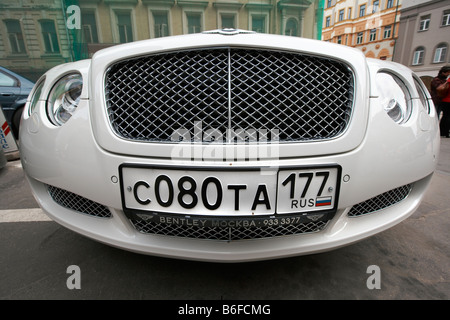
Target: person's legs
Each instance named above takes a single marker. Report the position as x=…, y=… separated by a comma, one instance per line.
x=445, y=121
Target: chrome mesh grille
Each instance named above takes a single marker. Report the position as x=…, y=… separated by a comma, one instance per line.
x=78, y=203
x=226, y=233
x=381, y=201
x=302, y=97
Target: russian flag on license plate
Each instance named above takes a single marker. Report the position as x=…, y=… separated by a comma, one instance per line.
x=323, y=201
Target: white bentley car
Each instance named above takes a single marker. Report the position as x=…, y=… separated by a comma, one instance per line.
x=229, y=146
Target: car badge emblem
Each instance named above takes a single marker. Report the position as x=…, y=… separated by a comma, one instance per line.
x=229, y=31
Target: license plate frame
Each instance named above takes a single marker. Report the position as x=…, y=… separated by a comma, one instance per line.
x=278, y=175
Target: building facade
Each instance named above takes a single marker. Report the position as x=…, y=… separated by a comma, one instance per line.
x=369, y=25
x=424, y=37
x=36, y=35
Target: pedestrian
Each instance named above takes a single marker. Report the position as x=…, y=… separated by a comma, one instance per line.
x=440, y=94
x=445, y=106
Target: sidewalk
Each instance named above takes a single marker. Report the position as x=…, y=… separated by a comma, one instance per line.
x=444, y=158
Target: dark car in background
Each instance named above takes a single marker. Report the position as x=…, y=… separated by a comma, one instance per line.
x=14, y=90
x=2, y=159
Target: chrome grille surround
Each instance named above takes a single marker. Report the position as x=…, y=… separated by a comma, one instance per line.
x=226, y=233
x=304, y=98
x=381, y=201
x=78, y=203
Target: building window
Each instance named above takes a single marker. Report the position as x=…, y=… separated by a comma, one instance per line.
x=327, y=21
x=49, y=36
x=359, y=38
x=160, y=24
x=328, y=3
x=424, y=23
x=390, y=4
x=446, y=19
x=291, y=28
x=349, y=16
x=339, y=40
x=194, y=22
x=228, y=20
x=362, y=10
x=259, y=24
x=440, y=53
x=387, y=32
x=341, y=15
x=15, y=36
x=375, y=5
x=418, y=56
x=373, y=35
x=89, y=27
x=124, y=26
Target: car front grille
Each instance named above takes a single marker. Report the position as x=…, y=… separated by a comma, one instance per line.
x=380, y=202
x=78, y=203
x=229, y=95
x=227, y=233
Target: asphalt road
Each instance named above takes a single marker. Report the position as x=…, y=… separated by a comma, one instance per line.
x=37, y=255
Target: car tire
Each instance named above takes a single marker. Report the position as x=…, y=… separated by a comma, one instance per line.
x=16, y=122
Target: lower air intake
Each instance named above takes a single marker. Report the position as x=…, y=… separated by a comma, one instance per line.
x=78, y=203
x=381, y=201
x=226, y=233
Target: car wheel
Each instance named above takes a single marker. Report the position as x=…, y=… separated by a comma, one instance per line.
x=16, y=122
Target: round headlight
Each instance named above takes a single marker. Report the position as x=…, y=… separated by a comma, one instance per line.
x=423, y=98
x=64, y=98
x=394, y=96
x=35, y=96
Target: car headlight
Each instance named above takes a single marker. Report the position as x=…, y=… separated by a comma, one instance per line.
x=35, y=96
x=64, y=98
x=423, y=98
x=394, y=96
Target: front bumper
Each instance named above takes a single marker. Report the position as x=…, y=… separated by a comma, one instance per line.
x=117, y=231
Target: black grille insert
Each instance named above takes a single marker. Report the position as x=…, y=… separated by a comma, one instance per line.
x=227, y=228
x=78, y=203
x=381, y=201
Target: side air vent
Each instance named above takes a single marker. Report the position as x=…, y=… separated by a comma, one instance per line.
x=77, y=203
x=380, y=202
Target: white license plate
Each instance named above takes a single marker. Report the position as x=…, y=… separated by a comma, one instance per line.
x=229, y=192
